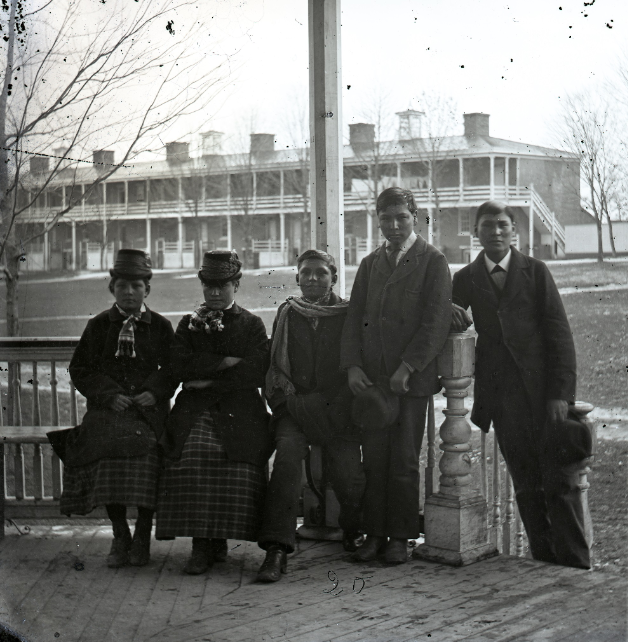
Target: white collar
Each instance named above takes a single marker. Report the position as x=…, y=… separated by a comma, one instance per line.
x=126, y=314
x=230, y=305
x=407, y=244
x=503, y=264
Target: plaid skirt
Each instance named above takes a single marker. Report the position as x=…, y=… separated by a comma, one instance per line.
x=130, y=481
x=205, y=494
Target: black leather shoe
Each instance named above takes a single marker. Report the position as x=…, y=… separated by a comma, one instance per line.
x=200, y=561
x=396, y=551
x=275, y=563
x=219, y=550
x=369, y=550
x=352, y=541
x=119, y=553
x=139, y=553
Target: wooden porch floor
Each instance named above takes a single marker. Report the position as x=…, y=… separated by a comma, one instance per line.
x=55, y=586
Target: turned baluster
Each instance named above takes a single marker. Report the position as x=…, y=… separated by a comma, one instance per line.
x=38, y=460
x=54, y=421
x=496, y=532
x=19, y=473
x=518, y=534
x=430, y=469
x=455, y=516
x=509, y=520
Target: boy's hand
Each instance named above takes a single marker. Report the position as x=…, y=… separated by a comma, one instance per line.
x=145, y=399
x=120, y=403
x=198, y=384
x=460, y=320
x=399, y=381
x=228, y=362
x=556, y=410
x=358, y=381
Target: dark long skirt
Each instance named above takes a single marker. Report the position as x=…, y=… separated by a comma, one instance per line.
x=205, y=494
x=130, y=481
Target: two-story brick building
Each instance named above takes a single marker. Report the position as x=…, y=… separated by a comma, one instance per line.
x=257, y=202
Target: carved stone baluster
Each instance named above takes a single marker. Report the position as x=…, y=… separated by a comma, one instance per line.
x=430, y=469
x=496, y=533
x=455, y=516
x=583, y=469
x=54, y=421
x=509, y=521
x=483, y=466
x=38, y=461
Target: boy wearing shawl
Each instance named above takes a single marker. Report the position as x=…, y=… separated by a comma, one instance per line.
x=311, y=403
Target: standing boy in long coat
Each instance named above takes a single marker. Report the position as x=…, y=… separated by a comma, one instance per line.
x=525, y=377
x=398, y=320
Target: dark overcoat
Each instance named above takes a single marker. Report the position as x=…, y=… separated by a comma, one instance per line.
x=399, y=315
x=529, y=320
x=234, y=399
x=314, y=355
x=99, y=375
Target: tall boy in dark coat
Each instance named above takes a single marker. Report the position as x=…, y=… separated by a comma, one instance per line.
x=525, y=378
x=399, y=318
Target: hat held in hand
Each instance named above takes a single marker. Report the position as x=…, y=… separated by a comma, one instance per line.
x=220, y=266
x=132, y=264
x=376, y=407
x=570, y=441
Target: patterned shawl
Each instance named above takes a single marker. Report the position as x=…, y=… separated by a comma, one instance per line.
x=278, y=375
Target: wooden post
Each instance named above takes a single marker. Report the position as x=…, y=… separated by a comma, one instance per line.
x=327, y=218
x=455, y=517
x=73, y=223
x=531, y=222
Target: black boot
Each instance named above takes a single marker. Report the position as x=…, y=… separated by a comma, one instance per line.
x=119, y=553
x=200, y=561
x=219, y=549
x=139, y=554
x=275, y=563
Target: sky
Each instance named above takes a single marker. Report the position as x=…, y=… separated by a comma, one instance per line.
x=513, y=60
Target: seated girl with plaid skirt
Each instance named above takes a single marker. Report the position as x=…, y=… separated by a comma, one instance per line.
x=122, y=367
x=217, y=441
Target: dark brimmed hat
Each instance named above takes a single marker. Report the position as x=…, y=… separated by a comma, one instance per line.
x=132, y=264
x=376, y=407
x=570, y=441
x=220, y=266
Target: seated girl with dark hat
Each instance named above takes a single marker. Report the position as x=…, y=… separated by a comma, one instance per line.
x=122, y=367
x=217, y=441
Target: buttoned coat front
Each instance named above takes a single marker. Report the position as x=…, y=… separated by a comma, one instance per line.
x=399, y=315
x=529, y=320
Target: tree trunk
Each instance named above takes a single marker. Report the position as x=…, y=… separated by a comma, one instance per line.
x=610, y=234
x=600, y=246
x=12, y=257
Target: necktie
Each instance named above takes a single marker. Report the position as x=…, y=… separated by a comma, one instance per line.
x=393, y=253
x=498, y=274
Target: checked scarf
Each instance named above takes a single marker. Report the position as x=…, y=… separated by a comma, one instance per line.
x=279, y=375
x=205, y=319
x=126, y=338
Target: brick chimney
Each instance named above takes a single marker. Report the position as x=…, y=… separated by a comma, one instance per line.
x=362, y=136
x=476, y=125
x=39, y=164
x=262, y=143
x=103, y=160
x=177, y=152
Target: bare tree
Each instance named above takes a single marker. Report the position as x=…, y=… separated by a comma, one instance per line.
x=586, y=129
x=101, y=89
x=433, y=147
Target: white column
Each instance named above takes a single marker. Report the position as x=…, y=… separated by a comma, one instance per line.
x=491, y=188
x=149, y=240
x=46, y=253
x=461, y=179
x=430, y=225
x=398, y=174
x=282, y=236
x=507, y=178
x=531, y=222
x=229, y=239
x=73, y=223
x=180, y=240
x=369, y=233
x=327, y=218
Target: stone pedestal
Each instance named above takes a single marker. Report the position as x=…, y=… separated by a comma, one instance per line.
x=456, y=530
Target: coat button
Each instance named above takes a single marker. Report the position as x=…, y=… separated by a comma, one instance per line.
x=383, y=318
x=132, y=387
x=138, y=433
